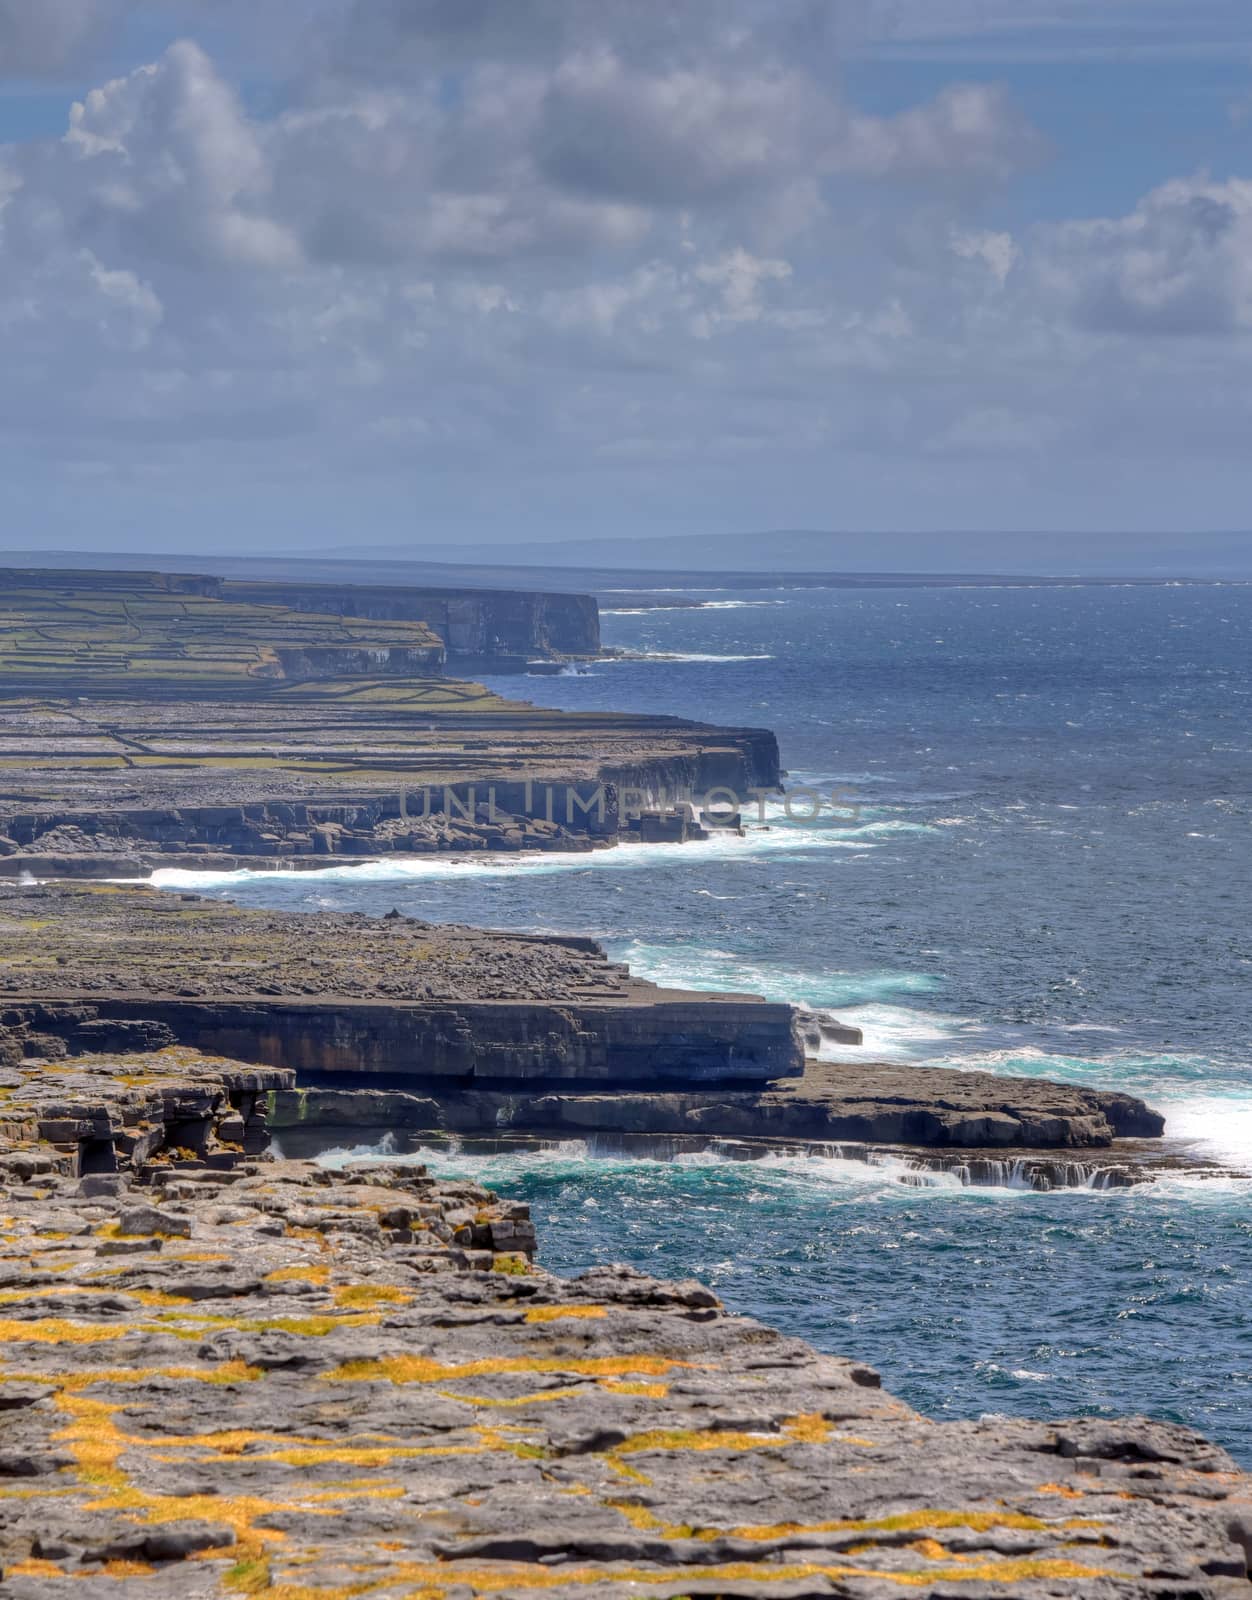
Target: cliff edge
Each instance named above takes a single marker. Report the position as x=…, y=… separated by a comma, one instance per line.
x=272, y=1379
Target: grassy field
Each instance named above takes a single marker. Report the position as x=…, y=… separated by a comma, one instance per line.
x=63, y=639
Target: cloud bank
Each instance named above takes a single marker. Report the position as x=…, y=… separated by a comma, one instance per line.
x=533, y=267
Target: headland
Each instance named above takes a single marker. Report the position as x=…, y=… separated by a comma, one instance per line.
x=226, y=1373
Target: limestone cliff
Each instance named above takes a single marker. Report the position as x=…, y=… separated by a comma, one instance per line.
x=482, y=628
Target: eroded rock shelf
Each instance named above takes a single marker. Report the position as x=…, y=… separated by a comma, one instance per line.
x=262, y=1377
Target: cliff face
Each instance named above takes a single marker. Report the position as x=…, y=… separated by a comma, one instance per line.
x=384, y=999
x=491, y=626
x=310, y=770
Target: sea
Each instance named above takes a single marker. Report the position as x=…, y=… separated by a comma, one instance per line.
x=1039, y=864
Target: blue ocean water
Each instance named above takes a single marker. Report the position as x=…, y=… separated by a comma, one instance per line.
x=1047, y=872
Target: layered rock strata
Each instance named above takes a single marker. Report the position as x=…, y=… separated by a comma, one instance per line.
x=61, y=633
x=464, y=1031
x=315, y=773
x=499, y=628
x=483, y=629
x=280, y=1380
x=386, y=999
x=830, y=1104
x=106, y=1113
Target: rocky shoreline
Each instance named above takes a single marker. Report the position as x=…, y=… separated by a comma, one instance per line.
x=459, y=1030
x=152, y=719
x=223, y=1374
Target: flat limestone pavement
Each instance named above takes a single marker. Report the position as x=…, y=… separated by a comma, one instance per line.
x=276, y=1379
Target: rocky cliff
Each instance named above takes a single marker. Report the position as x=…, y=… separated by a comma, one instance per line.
x=362, y=767
x=483, y=629
x=387, y=1000
x=474, y=1032
x=277, y=1380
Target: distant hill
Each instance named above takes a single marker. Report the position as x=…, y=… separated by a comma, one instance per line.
x=1042, y=554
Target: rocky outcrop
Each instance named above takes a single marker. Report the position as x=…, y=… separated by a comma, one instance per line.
x=118, y=1112
x=387, y=999
x=475, y=1032
x=84, y=635
x=833, y=1106
x=278, y=1380
x=483, y=629
x=357, y=769
x=145, y=714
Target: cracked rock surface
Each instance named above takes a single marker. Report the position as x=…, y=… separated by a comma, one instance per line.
x=277, y=1379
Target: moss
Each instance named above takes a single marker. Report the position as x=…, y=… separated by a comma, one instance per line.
x=370, y=1294
x=299, y=1274
x=511, y=1263
x=248, y=1577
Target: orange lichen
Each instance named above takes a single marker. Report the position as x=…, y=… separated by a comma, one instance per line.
x=514, y=1401
x=421, y=1369
x=57, y=1330
x=370, y=1294
x=436, y=1581
x=902, y=1522
x=557, y=1313
x=298, y=1274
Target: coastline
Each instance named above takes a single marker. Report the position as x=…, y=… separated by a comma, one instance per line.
x=469, y=1031
x=403, y=1401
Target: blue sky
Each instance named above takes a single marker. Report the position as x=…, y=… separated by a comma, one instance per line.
x=299, y=274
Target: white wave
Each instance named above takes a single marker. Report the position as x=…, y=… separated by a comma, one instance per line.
x=776, y=838
x=895, y=1033
x=823, y=1174
x=694, y=966
x=1218, y=1127
x=679, y=658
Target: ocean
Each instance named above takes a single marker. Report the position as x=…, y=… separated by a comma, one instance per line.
x=1044, y=869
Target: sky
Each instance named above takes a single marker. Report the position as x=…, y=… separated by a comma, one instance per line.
x=294, y=275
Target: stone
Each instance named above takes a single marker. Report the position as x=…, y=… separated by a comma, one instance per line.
x=147, y=1219
x=322, y=1410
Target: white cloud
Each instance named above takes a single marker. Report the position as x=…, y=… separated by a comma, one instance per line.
x=741, y=280
x=967, y=130
x=169, y=165
x=495, y=252
x=996, y=251
x=1179, y=263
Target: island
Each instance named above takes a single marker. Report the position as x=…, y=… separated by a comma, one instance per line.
x=230, y=1369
